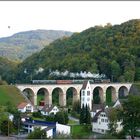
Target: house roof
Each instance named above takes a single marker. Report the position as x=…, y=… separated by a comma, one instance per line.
x=96, y=107
x=95, y=118
x=47, y=108
x=22, y=105
x=117, y=104
x=84, y=84
x=39, y=123
x=105, y=110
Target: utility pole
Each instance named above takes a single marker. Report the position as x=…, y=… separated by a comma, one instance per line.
x=8, y=128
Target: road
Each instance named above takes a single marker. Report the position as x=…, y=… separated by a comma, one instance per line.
x=74, y=119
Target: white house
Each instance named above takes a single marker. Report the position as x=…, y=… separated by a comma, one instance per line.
x=86, y=95
x=25, y=107
x=62, y=129
x=49, y=109
x=100, y=122
x=51, y=128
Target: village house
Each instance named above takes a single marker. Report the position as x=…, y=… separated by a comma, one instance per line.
x=49, y=109
x=99, y=112
x=51, y=128
x=100, y=121
x=25, y=107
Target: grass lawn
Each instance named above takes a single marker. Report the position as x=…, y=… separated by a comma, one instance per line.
x=72, y=122
x=39, y=119
x=80, y=131
x=11, y=94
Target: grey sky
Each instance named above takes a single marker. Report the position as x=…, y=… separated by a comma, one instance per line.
x=63, y=15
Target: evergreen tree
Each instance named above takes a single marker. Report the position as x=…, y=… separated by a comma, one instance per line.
x=82, y=115
x=85, y=117
x=88, y=115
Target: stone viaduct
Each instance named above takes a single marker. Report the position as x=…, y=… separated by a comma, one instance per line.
x=116, y=90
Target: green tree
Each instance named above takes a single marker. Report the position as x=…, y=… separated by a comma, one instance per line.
x=62, y=117
x=85, y=116
x=76, y=106
x=6, y=127
x=115, y=70
x=66, y=117
x=129, y=71
x=137, y=74
x=113, y=116
x=17, y=120
x=130, y=115
x=82, y=117
x=88, y=115
x=37, y=134
x=37, y=114
x=50, y=118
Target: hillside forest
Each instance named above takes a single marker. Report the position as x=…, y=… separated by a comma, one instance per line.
x=112, y=50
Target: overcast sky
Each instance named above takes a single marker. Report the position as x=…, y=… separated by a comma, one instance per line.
x=63, y=15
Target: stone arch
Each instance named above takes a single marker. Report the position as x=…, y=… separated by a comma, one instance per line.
x=45, y=96
x=61, y=96
x=122, y=92
x=98, y=92
x=111, y=94
x=29, y=93
x=73, y=94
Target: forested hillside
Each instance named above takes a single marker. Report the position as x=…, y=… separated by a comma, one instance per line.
x=21, y=45
x=110, y=50
x=7, y=69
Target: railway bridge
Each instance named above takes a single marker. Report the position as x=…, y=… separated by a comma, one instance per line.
x=31, y=90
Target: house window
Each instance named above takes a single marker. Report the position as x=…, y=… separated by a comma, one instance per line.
x=88, y=93
x=102, y=130
x=88, y=99
x=83, y=99
x=106, y=120
x=83, y=93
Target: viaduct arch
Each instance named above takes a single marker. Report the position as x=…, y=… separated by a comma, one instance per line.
x=118, y=90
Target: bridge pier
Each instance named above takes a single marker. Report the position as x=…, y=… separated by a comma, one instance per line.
x=35, y=99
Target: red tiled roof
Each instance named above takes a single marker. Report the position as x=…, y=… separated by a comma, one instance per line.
x=22, y=105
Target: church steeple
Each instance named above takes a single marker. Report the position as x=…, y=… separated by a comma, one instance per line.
x=86, y=95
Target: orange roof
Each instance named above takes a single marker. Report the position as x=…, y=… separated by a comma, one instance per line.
x=22, y=105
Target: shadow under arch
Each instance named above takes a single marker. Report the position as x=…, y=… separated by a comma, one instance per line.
x=122, y=92
x=111, y=96
x=71, y=95
x=58, y=97
x=43, y=95
x=28, y=92
x=98, y=95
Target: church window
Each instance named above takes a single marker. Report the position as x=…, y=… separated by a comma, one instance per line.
x=88, y=93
